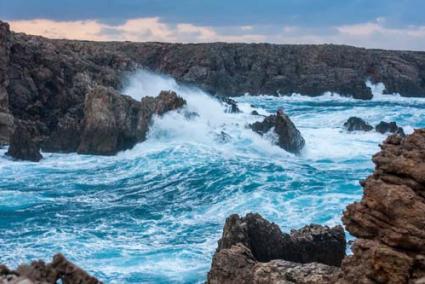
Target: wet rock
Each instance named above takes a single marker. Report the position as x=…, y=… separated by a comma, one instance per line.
x=114, y=122
x=389, y=221
x=357, y=124
x=289, y=137
x=389, y=127
x=313, y=243
x=60, y=269
x=22, y=145
x=254, y=112
x=223, y=137
x=232, y=105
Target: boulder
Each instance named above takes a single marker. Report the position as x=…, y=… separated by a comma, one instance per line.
x=357, y=124
x=22, y=146
x=232, y=105
x=254, y=112
x=253, y=250
x=389, y=221
x=60, y=269
x=289, y=137
x=237, y=265
x=312, y=243
x=389, y=127
x=114, y=122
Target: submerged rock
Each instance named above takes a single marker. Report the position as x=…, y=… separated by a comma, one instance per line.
x=389, y=221
x=254, y=112
x=39, y=272
x=114, y=122
x=357, y=124
x=289, y=137
x=252, y=249
x=232, y=105
x=22, y=146
x=389, y=127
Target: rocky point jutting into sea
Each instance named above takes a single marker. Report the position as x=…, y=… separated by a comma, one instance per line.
x=178, y=137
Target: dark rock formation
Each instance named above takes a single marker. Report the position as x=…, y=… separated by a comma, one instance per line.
x=113, y=122
x=389, y=221
x=254, y=112
x=6, y=119
x=232, y=105
x=357, y=124
x=389, y=127
x=22, y=146
x=253, y=250
x=39, y=272
x=237, y=265
x=289, y=137
x=313, y=243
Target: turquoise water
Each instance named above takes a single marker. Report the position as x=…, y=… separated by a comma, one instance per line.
x=153, y=214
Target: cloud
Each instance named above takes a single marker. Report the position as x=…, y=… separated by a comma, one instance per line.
x=373, y=34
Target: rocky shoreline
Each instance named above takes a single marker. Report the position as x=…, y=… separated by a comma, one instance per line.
x=44, y=83
x=389, y=223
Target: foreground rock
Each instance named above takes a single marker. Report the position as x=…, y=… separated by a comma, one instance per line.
x=113, y=122
x=22, y=145
x=389, y=127
x=60, y=269
x=389, y=221
x=253, y=250
x=289, y=137
x=357, y=124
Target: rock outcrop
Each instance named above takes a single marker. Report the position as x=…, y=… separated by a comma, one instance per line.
x=22, y=145
x=6, y=119
x=114, y=122
x=389, y=127
x=39, y=272
x=289, y=137
x=357, y=124
x=389, y=221
x=251, y=248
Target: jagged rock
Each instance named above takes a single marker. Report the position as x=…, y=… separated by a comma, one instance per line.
x=289, y=137
x=313, y=243
x=39, y=272
x=389, y=221
x=232, y=105
x=253, y=250
x=22, y=146
x=389, y=127
x=356, y=124
x=114, y=122
x=237, y=265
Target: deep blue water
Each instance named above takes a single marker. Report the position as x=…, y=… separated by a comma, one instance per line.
x=153, y=214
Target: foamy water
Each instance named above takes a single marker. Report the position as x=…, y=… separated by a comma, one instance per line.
x=153, y=214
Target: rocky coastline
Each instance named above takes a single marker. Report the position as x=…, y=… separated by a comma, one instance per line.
x=44, y=83
x=388, y=223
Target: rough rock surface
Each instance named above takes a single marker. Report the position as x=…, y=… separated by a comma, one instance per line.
x=389, y=221
x=39, y=272
x=6, y=119
x=389, y=127
x=22, y=145
x=313, y=243
x=113, y=122
x=237, y=265
x=357, y=124
x=289, y=137
x=253, y=250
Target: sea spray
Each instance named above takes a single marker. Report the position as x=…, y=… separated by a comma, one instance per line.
x=153, y=214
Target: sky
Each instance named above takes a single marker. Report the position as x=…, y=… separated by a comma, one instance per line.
x=388, y=24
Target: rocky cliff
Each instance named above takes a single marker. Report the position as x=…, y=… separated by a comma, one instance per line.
x=45, y=81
